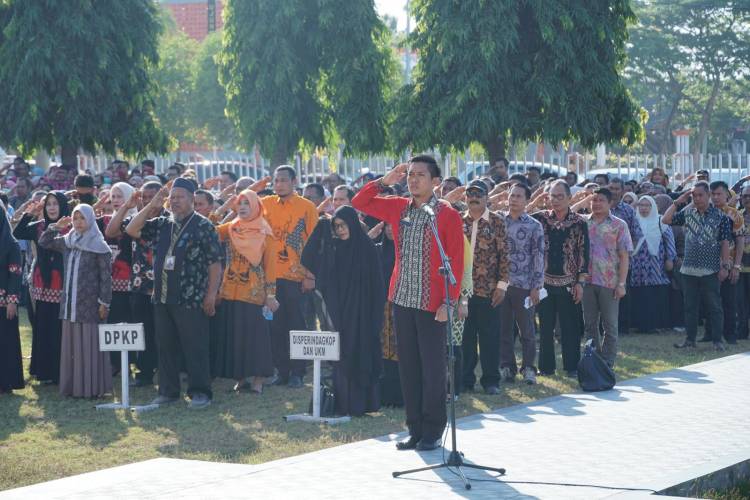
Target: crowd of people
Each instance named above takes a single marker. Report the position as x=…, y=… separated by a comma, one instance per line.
x=220, y=271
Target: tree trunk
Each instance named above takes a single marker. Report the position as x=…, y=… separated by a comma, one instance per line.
x=667, y=130
x=280, y=156
x=708, y=111
x=69, y=154
x=496, y=148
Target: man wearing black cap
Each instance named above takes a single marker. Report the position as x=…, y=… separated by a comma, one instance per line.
x=187, y=275
x=84, y=189
x=486, y=233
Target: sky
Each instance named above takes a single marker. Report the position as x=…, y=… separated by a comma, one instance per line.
x=393, y=8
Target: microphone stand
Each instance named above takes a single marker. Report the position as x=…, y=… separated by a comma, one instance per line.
x=455, y=458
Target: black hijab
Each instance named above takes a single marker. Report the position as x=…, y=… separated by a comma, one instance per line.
x=48, y=260
x=9, y=250
x=350, y=277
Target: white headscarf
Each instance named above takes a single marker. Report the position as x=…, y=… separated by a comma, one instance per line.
x=91, y=240
x=651, y=226
x=127, y=191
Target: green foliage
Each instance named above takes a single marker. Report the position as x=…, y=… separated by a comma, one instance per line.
x=77, y=73
x=528, y=70
x=688, y=65
x=301, y=71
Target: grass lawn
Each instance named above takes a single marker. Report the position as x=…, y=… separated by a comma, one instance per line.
x=44, y=436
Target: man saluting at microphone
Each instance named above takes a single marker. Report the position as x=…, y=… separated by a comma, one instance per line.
x=417, y=290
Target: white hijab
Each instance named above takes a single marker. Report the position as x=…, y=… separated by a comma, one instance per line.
x=127, y=191
x=652, y=228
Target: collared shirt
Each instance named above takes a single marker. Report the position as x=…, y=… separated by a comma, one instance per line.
x=414, y=236
x=606, y=240
x=703, y=236
x=490, y=250
x=627, y=213
x=196, y=248
x=292, y=221
x=526, y=251
x=243, y=281
x=566, y=247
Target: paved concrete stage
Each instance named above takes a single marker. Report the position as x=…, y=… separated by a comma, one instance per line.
x=648, y=433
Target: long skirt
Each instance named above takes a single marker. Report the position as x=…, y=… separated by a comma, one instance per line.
x=390, y=385
x=11, y=366
x=243, y=348
x=649, y=307
x=353, y=398
x=85, y=372
x=45, y=347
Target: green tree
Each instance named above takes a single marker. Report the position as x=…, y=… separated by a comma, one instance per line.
x=304, y=71
x=685, y=60
x=209, y=97
x=521, y=70
x=174, y=81
x=77, y=74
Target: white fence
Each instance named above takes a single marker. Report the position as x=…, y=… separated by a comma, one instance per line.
x=723, y=166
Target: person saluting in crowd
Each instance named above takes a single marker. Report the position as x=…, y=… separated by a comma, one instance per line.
x=417, y=291
x=187, y=275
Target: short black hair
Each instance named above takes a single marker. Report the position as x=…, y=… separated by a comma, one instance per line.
x=288, y=169
x=148, y=163
x=431, y=163
x=454, y=180
x=616, y=180
x=344, y=187
x=606, y=177
x=604, y=192
x=317, y=187
x=520, y=178
x=178, y=166
x=719, y=184
x=503, y=159
x=231, y=175
x=548, y=175
x=570, y=172
x=207, y=194
x=703, y=185
x=535, y=169
x=526, y=189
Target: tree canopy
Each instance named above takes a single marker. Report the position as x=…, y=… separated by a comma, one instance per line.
x=77, y=74
x=518, y=70
x=307, y=71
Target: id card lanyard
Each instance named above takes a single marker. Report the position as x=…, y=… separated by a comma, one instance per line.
x=169, y=261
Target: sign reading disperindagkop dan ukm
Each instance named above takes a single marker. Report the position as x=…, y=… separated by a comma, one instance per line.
x=314, y=345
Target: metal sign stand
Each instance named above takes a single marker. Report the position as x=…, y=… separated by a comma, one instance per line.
x=315, y=417
x=124, y=403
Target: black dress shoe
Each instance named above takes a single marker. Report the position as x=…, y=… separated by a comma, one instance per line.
x=408, y=444
x=685, y=344
x=428, y=444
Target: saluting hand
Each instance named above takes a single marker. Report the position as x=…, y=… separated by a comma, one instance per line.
x=395, y=175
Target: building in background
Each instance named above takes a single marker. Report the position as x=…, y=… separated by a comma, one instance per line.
x=197, y=18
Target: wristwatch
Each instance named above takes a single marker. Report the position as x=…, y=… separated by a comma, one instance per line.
x=726, y=267
x=582, y=283
x=738, y=267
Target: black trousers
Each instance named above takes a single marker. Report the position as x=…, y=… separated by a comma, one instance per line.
x=289, y=316
x=703, y=292
x=728, y=292
x=743, y=305
x=182, y=333
x=483, y=325
x=421, y=362
x=559, y=303
x=142, y=311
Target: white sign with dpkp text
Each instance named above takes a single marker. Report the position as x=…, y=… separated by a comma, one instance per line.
x=314, y=345
x=122, y=337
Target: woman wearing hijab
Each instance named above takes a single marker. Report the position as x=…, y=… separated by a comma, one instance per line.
x=11, y=367
x=85, y=372
x=348, y=274
x=122, y=261
x=390, y=383
x=45, y=288
x=244, y=346
x=676, y=301
x=652, y=258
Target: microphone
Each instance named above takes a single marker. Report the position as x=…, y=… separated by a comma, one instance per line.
x=429, y=210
